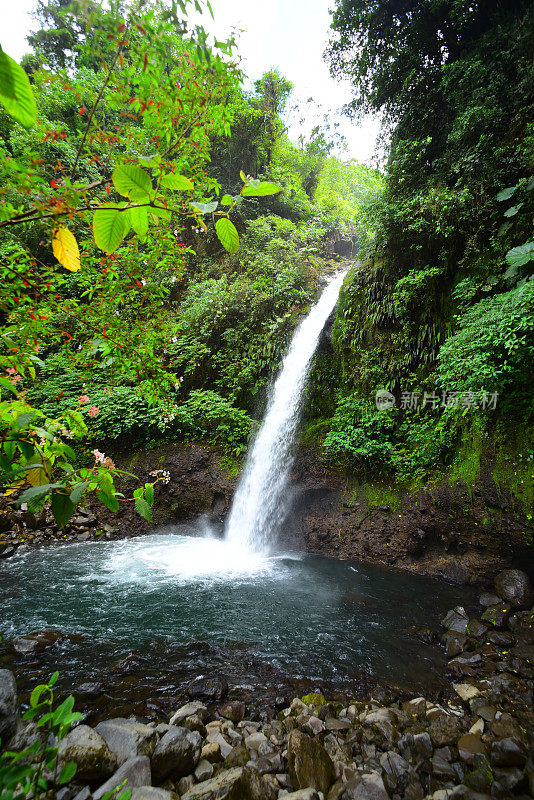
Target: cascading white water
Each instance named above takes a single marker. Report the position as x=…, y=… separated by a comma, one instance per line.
x=260, y=502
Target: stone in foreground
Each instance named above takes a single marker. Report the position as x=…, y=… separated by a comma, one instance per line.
x=176, y=754
x=309, y=763
x=89, y=751
x=135, y=771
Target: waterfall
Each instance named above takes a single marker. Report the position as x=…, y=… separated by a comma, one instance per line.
x=260, y=503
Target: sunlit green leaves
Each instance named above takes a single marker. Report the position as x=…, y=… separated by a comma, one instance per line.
x=139, y=219
x=205, y=208
x=177, y=182
x=506, y=194
x=110, y=226
x=227, y=234
x=260, y=189
x=132, y=181
x=16, y=94
x=519, y=256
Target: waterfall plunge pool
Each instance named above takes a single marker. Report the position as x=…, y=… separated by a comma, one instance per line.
x=144, y=617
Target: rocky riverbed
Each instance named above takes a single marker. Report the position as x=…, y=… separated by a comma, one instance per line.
x=474, y=740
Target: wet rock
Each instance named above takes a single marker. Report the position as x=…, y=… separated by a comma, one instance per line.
x=314, y=726
x=302, y=794
x=211, y=689
x=35, y=642
x=497, y=615
x=8, y=704
x=195, y=707
x=309, y=763
x=255, y=740
x=238, y=756
x=88, y=690
x=488, y=599
x=194, y=723
x=7, y=551
x=152, y=793
x=127, y=739
x=203, y=770
x=514, y=587
x=511, y=780
x=212, y=752
x=234, y=710
x=456, y=620
x=224, y=746
x=466, y=691
x=135, y=771
x=176, y=754
x=422, y=744
x=476, y=628
x=369, y=787
x=508, y=753
x=444, y=730
x=394, y=766
x=26, y=735
x=455, y=643
x=481, y=778
x=235, y=784
x=469, y=745
x=442, y=770
x=89, y=751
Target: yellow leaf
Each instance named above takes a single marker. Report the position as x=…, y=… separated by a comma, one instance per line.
x=65, y=249
x=12, y=489
x=38, y=476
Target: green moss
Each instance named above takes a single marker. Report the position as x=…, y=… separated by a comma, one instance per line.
x=230, y=465
x=514, y=466
x=376, y=494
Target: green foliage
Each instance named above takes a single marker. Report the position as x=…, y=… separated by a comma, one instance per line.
x=32, y=772
x=493, y=348
x=359, y=436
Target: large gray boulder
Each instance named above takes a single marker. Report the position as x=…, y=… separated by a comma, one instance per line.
x=193, y=708
x=310, y=766
x=176, y=754
x=514, y=586
x=238, y=783
x=89, y=751
x=8, y=704
x=127, y=738
x=135, y=771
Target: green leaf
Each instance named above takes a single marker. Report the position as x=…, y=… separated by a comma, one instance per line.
x=227, y=234
x=24, y=419
x=110, y=502
x=263, y=189
x=68, y=772
x=149, y=494
x=142, y=508
x=227, y=200
x=519, y=256
x=62, y=508
x=160, y=213
x=132, y=181
x=53, y=680
x=505, y=194
x=78, y=492
x=177, y=182
x=37, y=491
x=5, y=383
x=205, y=208
x=63, y=710
x=36, y=694
x=139, y=217
x=16, y=94
x=512, y=211
x=110, y=226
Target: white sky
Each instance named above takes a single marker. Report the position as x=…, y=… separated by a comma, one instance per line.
x=287, y=34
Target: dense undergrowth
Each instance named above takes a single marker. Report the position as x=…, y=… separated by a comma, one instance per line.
x=441, y=313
